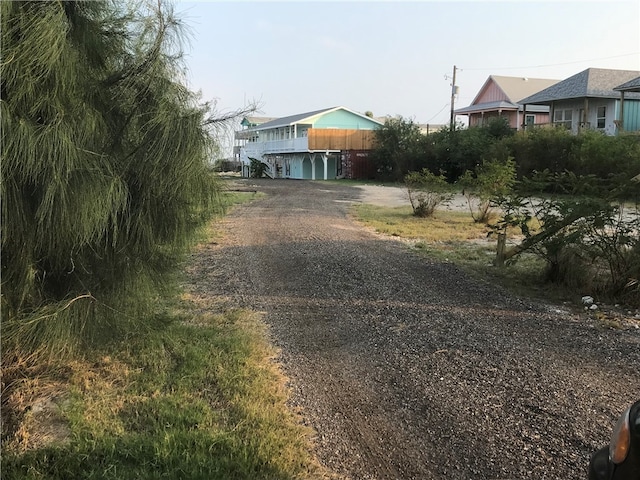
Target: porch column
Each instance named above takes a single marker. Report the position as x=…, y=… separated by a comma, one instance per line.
x=325, y=162
x=586, y=113
x=621, y=124
x=313, y=166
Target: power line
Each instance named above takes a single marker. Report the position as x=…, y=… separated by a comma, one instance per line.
x=445, y=106
x=550, y=64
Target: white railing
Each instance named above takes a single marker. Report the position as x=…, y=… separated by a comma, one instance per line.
x=255, y=149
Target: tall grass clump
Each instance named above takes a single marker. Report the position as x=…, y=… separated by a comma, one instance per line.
x=105, y=177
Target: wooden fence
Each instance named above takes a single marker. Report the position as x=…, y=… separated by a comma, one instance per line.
x=340, y=139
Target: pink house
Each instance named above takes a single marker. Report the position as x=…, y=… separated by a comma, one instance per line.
x=500, y=97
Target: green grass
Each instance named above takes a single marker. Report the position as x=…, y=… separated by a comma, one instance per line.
x=194, y=395
x=231, y=198
x=444, y=226
x=453, y=236
x=200, y=398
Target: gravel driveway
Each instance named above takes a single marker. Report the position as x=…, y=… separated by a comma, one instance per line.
x=407, y=368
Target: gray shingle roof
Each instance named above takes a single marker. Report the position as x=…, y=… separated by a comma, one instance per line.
x=592, y=82
x=258, y=120
x=292, y=119
x=630, y=86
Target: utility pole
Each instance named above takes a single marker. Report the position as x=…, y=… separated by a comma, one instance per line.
x=453, y=99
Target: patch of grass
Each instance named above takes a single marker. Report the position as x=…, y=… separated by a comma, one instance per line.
x=453, y=236
x=231, y=198
x=200, y=398
x=443, y=226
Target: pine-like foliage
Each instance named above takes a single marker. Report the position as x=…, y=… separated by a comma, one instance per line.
x=105, y=179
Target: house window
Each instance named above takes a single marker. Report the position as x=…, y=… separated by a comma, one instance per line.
x=563, y=117
x=530, y=120
x=601, y=117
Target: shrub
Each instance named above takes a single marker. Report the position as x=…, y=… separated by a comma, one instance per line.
x=257, y=169
x=541, y=148
x=426, y=191
x=491, y=180
x=589, y=242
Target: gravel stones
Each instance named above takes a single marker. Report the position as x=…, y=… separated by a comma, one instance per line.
x=407, y=368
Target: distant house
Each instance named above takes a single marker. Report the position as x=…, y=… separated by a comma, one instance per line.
x=589, y=100
x=319, y=145
x=501, y=97
x=243, y=136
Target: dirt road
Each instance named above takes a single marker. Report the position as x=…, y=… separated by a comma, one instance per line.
x=405, y=367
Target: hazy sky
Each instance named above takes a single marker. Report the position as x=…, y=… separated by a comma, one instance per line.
x=395, y=58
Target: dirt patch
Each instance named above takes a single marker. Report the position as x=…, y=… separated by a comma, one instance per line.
x=406, y=367
x=391, y=196
x=32, y=416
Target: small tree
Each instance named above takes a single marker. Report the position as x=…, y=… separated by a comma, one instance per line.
x=458, y=150
x=492, y=180
x=427, y=191
x=257, y=168
x=588, y=239
x=398, y=148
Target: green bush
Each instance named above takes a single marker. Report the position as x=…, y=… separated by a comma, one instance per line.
x=606, y=157
x=541, y=148
x=400, y=149
x=257, y=169
x=491, y=180
x=426, y=191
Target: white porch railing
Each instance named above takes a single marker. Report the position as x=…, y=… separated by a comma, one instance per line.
x=255, y=149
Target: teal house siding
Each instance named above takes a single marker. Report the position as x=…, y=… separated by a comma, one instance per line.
x=306, y=167
x=346, y=120
x=296, y=167
x=631, y=120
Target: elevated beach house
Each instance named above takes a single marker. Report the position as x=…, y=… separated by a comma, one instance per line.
x=500, y=97
x=319, y=145
x=592, y=99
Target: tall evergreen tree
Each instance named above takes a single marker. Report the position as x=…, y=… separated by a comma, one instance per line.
x=105, y=154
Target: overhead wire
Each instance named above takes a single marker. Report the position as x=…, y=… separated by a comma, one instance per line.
x=551, y=64
x=445, y=106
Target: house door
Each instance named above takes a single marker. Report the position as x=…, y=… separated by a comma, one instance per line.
x=306, y=167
